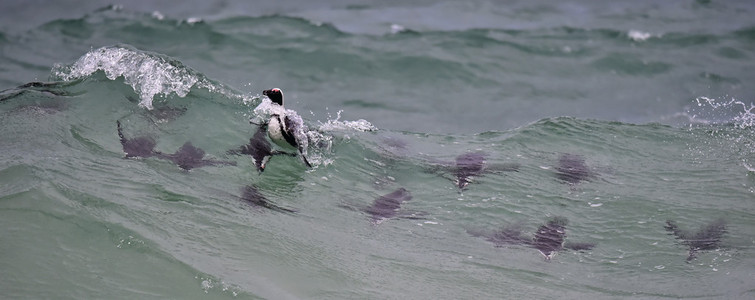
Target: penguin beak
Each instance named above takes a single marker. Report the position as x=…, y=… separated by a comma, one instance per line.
x=265, y=92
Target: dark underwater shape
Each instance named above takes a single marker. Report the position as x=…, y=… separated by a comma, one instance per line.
x=549, y=238
x=395, y=143
x=387, y=206
x=707, y=238
x=259, y=148
x=143, y=146
x=468, y=165
x=251, y=194
x=188, y=157
x=472, y=164
x=572, y=169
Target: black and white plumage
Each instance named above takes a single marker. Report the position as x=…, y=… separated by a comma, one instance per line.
x=282, y=129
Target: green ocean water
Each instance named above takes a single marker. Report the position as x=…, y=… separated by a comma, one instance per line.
x=655, y=97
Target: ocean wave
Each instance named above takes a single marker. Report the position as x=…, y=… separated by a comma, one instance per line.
x=278, y=26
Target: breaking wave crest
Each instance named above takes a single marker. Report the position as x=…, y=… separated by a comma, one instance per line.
x=149, y=74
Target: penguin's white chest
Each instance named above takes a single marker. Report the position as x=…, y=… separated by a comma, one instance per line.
x=275, y=129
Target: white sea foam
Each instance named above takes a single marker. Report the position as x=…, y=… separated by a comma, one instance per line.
x=638, y=36
x=738, y=114
x=395, y=28
x=194, y=20
x=744, y=114
x=149, y=74
x=338, y=125
x=158, y=15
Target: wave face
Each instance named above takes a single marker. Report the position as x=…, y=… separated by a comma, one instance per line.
x=439, y=149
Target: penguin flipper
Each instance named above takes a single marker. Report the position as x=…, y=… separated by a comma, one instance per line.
x=304, y=158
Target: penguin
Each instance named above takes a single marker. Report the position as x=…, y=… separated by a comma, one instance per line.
x=387, y=206
x=281, y=129
x=143, y=146
x=548, y=240
x=187, y=157
x=708, y=237
x=572, y=169
x=259, y=148
x=253, y=196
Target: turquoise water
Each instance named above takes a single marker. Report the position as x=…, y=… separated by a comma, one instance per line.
x=655, y=97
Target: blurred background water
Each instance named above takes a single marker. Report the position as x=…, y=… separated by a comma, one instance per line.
x=652, y=100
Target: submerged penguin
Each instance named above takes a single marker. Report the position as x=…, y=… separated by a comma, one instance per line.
x=142, y=146
x=187, y=157
x=548, y=240
x=707, y=238
x=282, y=129
x=572, y=169
x=253, y=196
x=259, y=149
x=387, y=206
x=469, y=165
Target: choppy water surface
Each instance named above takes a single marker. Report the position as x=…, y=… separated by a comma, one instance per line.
x=444, y=137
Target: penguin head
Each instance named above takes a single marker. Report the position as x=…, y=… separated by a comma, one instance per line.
x=275, y=95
